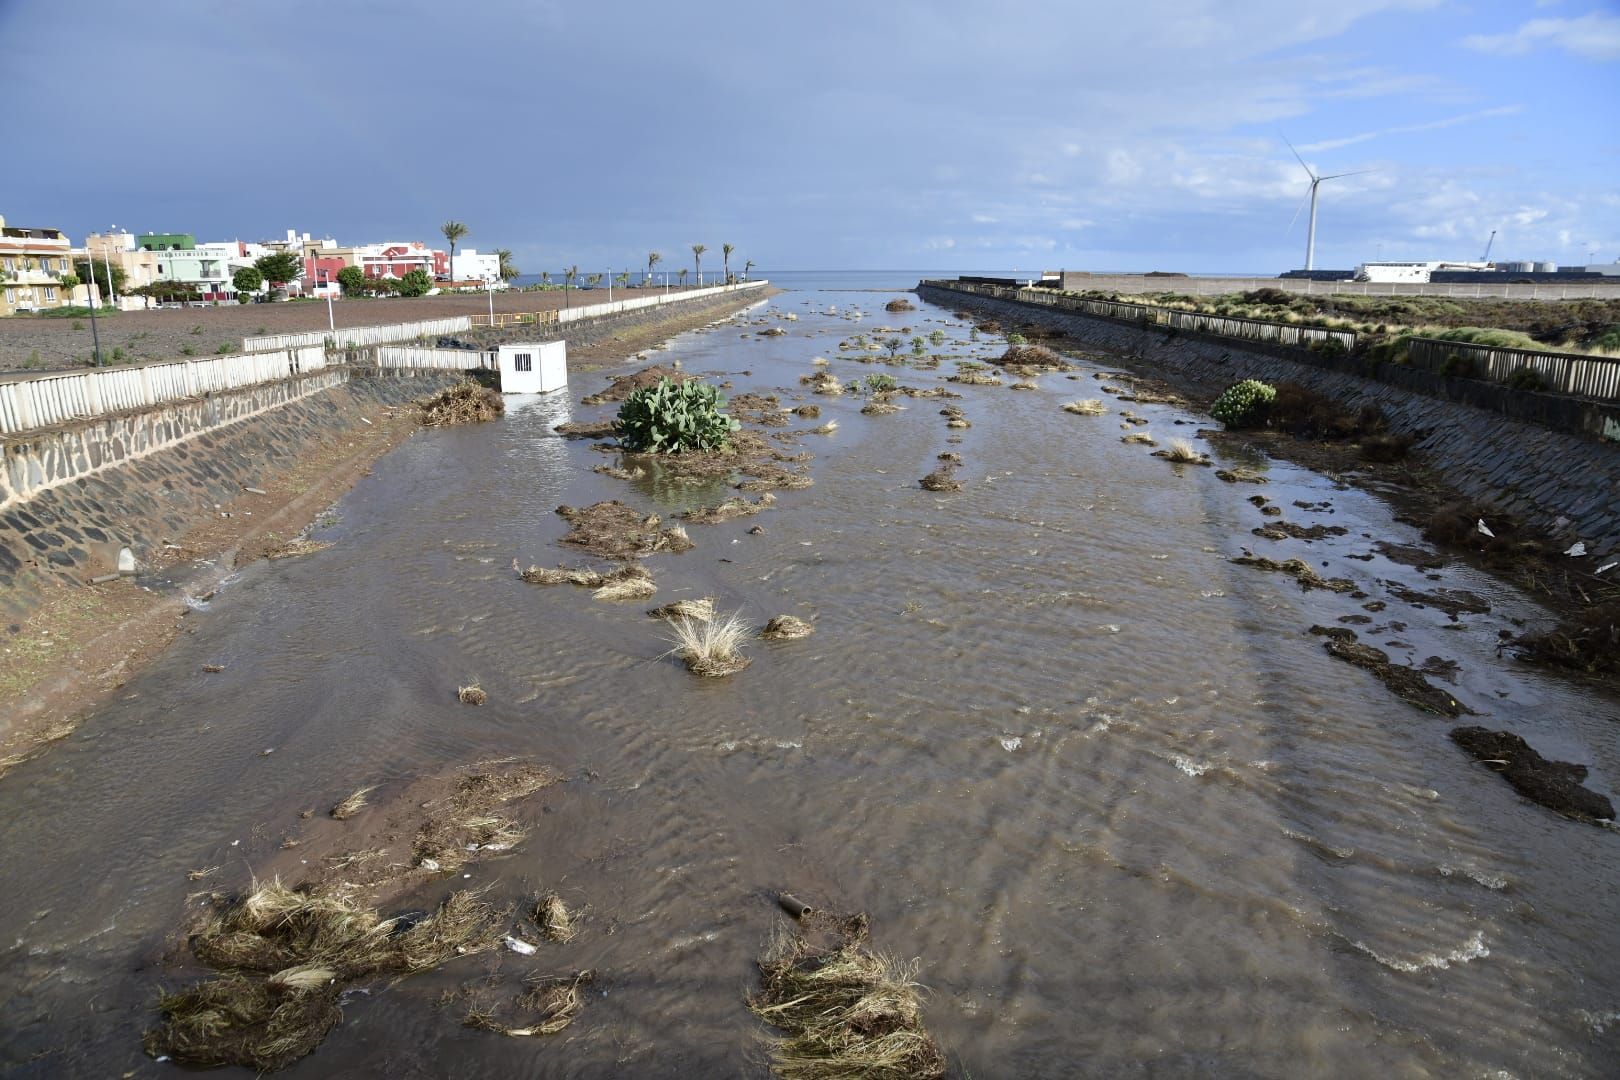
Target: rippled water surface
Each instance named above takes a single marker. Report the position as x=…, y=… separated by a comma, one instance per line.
x=1127, y=813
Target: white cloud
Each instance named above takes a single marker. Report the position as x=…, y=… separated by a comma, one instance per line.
x=1595, y=36
x=1407, y=129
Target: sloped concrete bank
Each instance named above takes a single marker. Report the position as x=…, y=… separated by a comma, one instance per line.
x=142, y=480
x=1532, y=471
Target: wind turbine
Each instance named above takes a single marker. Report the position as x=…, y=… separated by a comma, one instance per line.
x=1316, y=182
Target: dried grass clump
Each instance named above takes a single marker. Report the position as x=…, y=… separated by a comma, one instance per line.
x=554, y=919
x=701, y=609
x=974, y=378
x=1588, y=641
x=735, y=507
x=876, y=407
x=899, y=303
x=808, y=412
x=942, y=479
x=711, y=648
x=786, y=628
x=287, y=954
x=551, y=1005
x=629, y=583
x=471, y=695
x=1024, y=386
x=826, y=429
x=844, y=1011
x=467, y=822
x=1085, y=407
x=824, y=382
x=624, y=385
x=1183, y=452
x=352, y=805
x=1032, y=356
x=464, y=403
x=1143, y=437
x=298, y=545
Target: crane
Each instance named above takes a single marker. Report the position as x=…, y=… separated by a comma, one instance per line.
x=1487, y=256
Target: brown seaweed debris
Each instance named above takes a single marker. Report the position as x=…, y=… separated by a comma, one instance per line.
x=1143, y=437
x=899, y=303
x=624, y=385
x=1240, y=476
x=877, y=407
x=1308, y=578
x=732, y=508
x=1587, y=641
x=974, y=378
x=287, y=954
x=588, y=429
x=1283, y=530
x=466, y=823
x=583, y=576
x=549, y=1005
x=942, y=479
x=786, y=628
x=843, y=1010
x=612, y=530
x=1453, y=602
x=808, y=412
x=1404, y=682
x=464, y=403
x=471, y=695
x=1554, y=784
x=554, y=919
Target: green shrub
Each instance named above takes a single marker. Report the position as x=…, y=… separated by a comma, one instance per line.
x=670, y=418
x=1017, y=339
x=189, y=350
x=352, y=279
x=1525, y=378
x=1244, y=404
x=937, y=337
x=880, y=384
x=415, y=283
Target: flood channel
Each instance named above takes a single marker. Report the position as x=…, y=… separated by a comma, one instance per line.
x=1128, y=815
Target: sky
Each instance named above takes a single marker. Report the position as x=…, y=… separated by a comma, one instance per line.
x=937, y=134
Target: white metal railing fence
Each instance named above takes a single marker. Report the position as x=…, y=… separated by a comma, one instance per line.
x=1561, y=373
x=395, y=356
x=52, y=398
x=594, y=311
x=354, y=336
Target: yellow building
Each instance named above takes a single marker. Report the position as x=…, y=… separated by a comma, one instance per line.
x=32, y=262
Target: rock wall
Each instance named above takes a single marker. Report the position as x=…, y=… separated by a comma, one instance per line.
x=1538, y=472
x=138, y=480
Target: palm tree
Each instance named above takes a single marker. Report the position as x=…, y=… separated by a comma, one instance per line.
x=593, y=280
x=725, y=262
x=747, y=266
x=623, y=279
x=453, y=231
x=697, y=257
x=653, y=259
x=545, y=277
x=568, y=279
x=682, y=276
x=507, y=268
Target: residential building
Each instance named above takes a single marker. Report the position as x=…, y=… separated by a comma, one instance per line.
x=140, y=266
x=396, y=259
x=207, y=266
x=469, y=265
x=32, y=262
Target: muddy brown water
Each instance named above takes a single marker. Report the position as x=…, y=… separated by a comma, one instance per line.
x=1125, y=810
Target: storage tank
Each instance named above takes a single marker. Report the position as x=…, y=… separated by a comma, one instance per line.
x=1546, y=268
x=1518, y=267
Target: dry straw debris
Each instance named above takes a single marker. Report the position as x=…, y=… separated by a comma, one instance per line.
x=612, y=530
x=548, y=1006
x=352, y=805
x=843, y=1010
x=1085, y=407
x=472, y=694
x=711, y=647
x=701, y=609
x=464, y=403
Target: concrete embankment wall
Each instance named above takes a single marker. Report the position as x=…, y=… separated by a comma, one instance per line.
x=164, y=471
x=603, y=325
x=1535, y=464
x=1144, y=284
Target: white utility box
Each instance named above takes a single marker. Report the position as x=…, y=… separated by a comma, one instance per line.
x=536, y=367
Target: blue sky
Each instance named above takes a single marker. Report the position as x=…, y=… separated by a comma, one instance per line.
x=940, y=134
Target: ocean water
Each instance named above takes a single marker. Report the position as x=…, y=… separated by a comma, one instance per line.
x=835, y=280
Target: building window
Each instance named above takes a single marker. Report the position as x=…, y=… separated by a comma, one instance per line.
x=50, y=293
x=11, y=296
x=11, y=264
x=523, y=362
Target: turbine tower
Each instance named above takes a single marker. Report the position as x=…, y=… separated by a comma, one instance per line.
x=1316, y=182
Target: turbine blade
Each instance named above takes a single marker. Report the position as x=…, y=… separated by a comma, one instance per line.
x=1358, y=172
x=1299, y=159
x=1297, y=210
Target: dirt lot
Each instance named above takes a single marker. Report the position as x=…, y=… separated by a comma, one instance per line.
x=42, y=344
